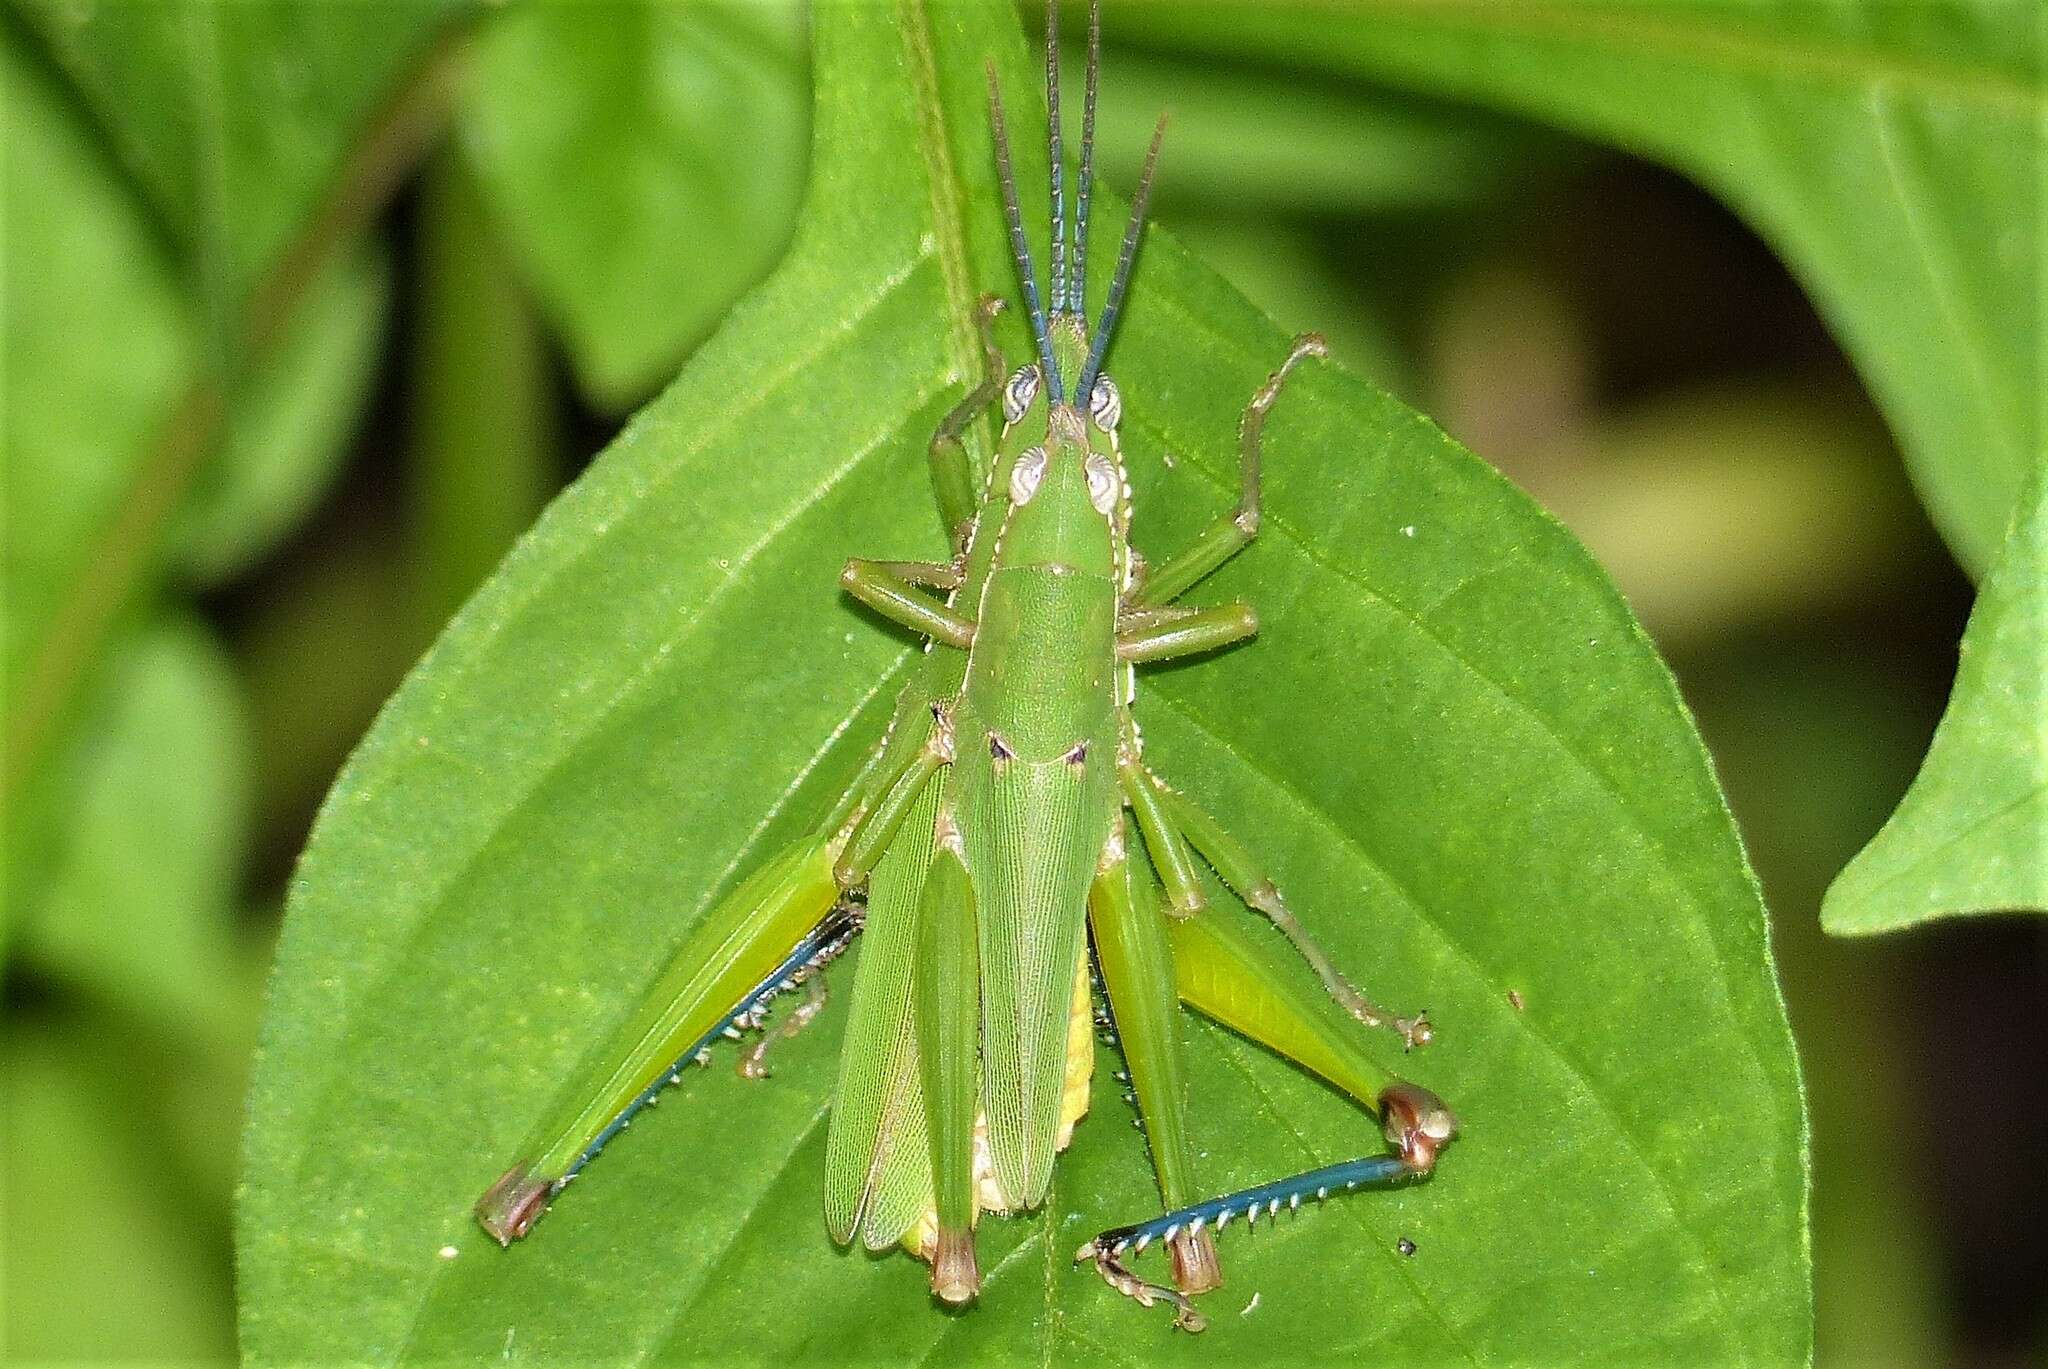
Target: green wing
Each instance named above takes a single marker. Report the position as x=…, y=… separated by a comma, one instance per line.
x=878, y=1178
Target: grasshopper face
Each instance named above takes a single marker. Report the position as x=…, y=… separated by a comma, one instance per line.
x=1065, y=439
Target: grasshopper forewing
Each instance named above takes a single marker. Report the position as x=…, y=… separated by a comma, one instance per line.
x=1009, y=834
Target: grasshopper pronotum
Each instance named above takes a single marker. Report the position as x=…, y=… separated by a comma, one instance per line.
x=990, y=847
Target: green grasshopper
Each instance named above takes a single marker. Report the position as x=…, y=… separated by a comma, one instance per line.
x=1006, y=824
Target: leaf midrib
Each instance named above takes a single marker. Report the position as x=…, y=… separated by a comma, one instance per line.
x=1963, y=325
x=1957, y=837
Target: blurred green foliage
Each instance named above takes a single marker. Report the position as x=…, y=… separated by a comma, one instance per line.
x=1879, y=147
x=644, y=166
x=264, y=431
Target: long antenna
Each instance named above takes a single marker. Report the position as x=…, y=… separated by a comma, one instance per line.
x=1077, y=282
x=1055, y=156
x=1125, y=256
x=1020, y=249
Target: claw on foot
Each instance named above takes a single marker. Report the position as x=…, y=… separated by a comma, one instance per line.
x=1145, y=1294
x=754, y=1064
x=1414, y=1031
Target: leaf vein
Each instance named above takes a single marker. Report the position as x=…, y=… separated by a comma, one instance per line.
x=1315, y=812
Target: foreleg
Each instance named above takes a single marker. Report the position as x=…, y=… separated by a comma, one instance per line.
x=1229, y=534
x=954, y=480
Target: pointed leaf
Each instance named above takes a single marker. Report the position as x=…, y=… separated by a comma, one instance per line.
x=1451, y=742
x=1971, y=835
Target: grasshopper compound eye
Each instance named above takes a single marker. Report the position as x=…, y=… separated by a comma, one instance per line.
x=1027, y=475
x=1018, y=392
x=1104, y=484
x=1105, y=404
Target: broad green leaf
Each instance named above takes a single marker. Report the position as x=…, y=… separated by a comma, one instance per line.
x=1971, y=835
x=645, y=160
x=1885, y=150
x=138, y=888
x=1452, y=743
x=237, y=119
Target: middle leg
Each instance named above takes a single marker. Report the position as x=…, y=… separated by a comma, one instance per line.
x=1153, y=636
x=953, y=478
